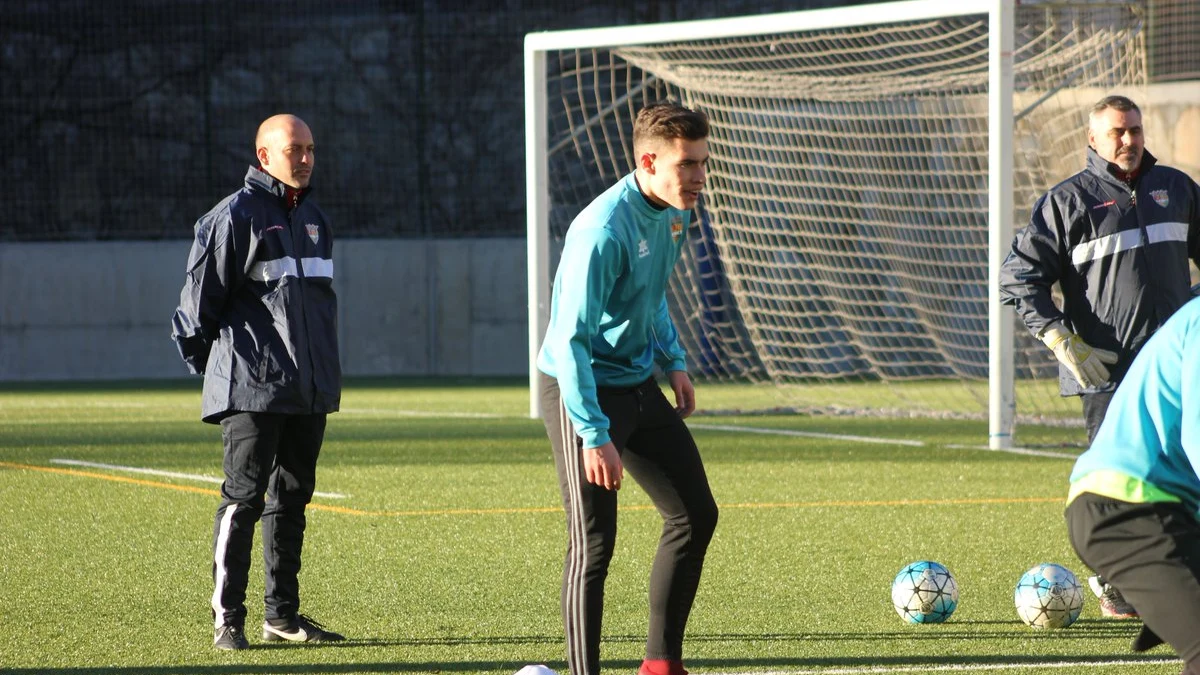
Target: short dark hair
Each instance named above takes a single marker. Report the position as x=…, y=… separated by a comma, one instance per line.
x=667, y=121
x=1122, y=103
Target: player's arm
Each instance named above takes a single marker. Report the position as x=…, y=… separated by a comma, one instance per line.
x=210, y=271
x=670, y=356
x=1034, y=264
x=593, y=260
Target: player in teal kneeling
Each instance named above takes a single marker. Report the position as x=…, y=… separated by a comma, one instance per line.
x=603, y=409
x=1133, y=512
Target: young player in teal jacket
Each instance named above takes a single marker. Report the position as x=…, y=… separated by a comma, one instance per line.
x=1134, y=506
x=604, y=412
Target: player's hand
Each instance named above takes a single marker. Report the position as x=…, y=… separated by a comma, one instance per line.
x=1087, y=363
x=685, y=393
x=602, y=466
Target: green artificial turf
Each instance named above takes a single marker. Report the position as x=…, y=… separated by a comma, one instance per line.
x=445, y=555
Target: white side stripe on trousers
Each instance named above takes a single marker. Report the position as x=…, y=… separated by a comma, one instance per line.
x=576, y=597
x=221, y=570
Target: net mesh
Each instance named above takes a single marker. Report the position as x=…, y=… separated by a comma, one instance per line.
x=841, y=248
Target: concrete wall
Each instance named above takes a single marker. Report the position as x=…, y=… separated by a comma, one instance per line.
x=1172, y=125
x=103, y=310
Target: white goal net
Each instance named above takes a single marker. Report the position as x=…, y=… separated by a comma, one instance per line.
x=841, y=251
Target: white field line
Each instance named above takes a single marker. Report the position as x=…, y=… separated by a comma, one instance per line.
x=965, y=667
x=739, y=429
x=807, y=434
x=169, y=474
x=876, y=439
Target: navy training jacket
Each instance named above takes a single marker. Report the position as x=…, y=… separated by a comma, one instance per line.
x=257, y=314
x=1119, y=254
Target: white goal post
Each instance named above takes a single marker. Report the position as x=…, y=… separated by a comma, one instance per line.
x=782, y=308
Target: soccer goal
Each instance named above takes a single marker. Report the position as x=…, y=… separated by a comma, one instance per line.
x=869, y=166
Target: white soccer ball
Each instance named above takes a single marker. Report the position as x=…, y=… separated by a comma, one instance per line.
x=1048, y=596
x=924, y=592
x=536, y=670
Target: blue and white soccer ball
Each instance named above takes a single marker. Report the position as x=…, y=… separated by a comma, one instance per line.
x=1048, y=596
x=924, y=592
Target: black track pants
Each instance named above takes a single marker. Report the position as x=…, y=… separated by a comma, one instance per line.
x=657, y=450
x=1151, y=553
x=1094, y=407
x=265, y=455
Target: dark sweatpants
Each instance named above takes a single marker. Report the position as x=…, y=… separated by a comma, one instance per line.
x=1094, y=408
x=657, y=450
x=265, y=454
x=1151, y=554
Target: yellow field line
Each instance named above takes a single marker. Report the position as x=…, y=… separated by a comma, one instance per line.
x=548, y=509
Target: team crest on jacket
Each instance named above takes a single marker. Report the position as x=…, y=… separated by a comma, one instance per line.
x=1160, y=197
x=676, y=228
x=314, y=232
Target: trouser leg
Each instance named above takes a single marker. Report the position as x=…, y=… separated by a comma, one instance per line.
x=291, y=485
x=249, y=440
x=1094, y=407
x=1151, y=553
x=591, y=535
x=662, y=457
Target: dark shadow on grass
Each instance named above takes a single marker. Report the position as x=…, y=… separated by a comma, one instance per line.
x=1085, y=629
x=912, y=662
x=559, y=666
x=1082, y=630
x=282, y=669
x=500, y=640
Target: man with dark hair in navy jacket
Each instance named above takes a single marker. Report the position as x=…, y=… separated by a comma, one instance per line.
x=1116, y=238
x=258, y=318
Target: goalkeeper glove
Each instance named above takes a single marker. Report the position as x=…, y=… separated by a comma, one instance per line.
x=1084, y=361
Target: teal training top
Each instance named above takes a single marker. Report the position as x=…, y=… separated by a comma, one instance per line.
x=1151, y=431
x=609, y=323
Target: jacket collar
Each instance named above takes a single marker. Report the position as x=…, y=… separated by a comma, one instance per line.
x=641, y=202
x=1107, y=170
x=257, y=179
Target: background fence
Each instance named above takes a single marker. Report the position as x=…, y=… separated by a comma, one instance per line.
x=127, y=119
x=1174, y=51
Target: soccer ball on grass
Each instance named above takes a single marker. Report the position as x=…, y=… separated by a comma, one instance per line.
x=924, y=592
x=1048, y=596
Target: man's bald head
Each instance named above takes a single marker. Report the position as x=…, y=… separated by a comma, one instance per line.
x=285, y=149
